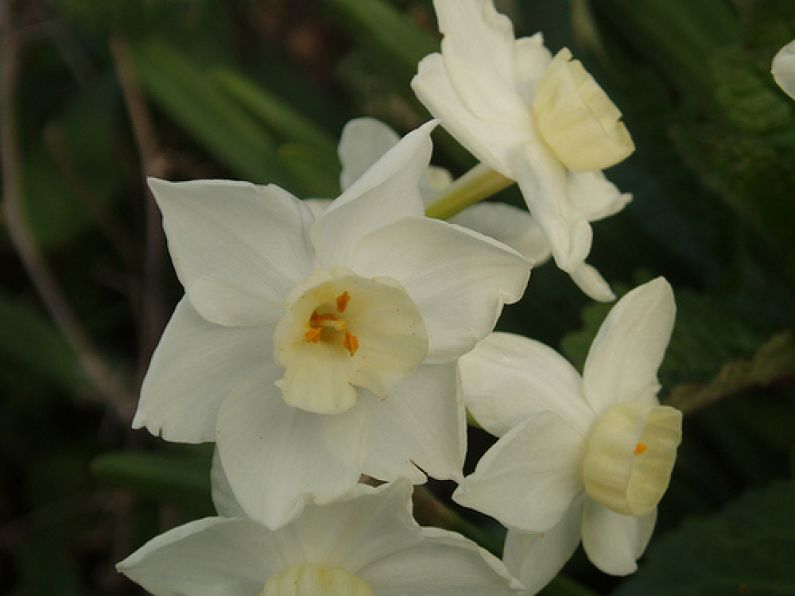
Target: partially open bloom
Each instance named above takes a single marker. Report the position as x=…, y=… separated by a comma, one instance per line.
x=578, y=457
x=541, y=121
x=365, y=140
x=783, y=68
x=317, y=349
x=365, y=545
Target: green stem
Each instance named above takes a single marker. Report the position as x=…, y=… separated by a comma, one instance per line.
x=477, y=184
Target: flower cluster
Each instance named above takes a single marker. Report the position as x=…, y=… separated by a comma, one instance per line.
x=322, y=343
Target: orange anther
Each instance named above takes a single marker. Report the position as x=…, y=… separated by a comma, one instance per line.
x=640, y=448
x=342, y=301
x=316, y=317
x=313, y=334
x=350, y=343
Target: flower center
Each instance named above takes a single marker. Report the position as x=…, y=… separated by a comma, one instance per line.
x=327, y=325
x=578, y=121
x=315, y=580
x=342, y=332
x=629, y=456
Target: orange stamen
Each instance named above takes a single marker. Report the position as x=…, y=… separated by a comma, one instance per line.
x=316, y=317
x=640, y=448
x=342, y=301
x=350, y=343
x=313, y=334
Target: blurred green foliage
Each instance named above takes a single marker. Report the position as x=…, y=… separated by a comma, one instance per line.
x=259, y=90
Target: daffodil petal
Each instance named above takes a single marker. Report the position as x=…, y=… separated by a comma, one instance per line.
x=419, y=428
x=614, y=542
x=459, y=279
x=536, y=558
x=362, y=143
x=237, y=248
x=385, y=193
x=529, y=477
x=508, y=378
x=208, y=557
x=491, y=142
x=223, y=496
x=591, y=282
x=509, y=225
x=532, y=58
x=195, y=366
x=292, y=456
x=783, y=69
x=594, y=195
x=629, y=347
x=444, y=564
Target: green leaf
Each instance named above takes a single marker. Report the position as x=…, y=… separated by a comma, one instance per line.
x=44, y=351
x=377, y=25
x=215, y=120
x=316, y=169
x=772, y=363
x=271, y=110
x=178, y=479
x=747, y=549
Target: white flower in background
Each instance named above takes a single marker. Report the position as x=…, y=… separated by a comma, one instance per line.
x=541, y=121
x=578, y=457
x=365, y=545
x=365, y=140
x=315, y=350
x=783, y=68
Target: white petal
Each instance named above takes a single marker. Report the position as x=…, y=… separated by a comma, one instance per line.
x=509, y=225
x=277, y=457
x=433, y=182
x=444, y=564
x=208, y=557
x=362, y=143
x=366, y=525
x=613, y=542
x=385, y=193
x=529, y=477
x=420, y=427
x=237, y=248
x=591, y=282
x=492, y=142
x=783, y=68
x=317, y=206
x=458, y=278
x=626, y=353
x=532, y=59
x=544, y=185
x=221, y=491
x=478, y=52
x=195, y=366
x=535, y=559
x=595, y=195
x=508, y=378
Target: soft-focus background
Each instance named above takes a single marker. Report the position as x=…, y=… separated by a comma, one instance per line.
x=95, y=95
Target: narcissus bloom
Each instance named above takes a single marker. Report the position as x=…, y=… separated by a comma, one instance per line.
x=365, y=545
x=365, y=140
x=783, y=68
x=317, y=349
x=541, y=121
x=578, y=457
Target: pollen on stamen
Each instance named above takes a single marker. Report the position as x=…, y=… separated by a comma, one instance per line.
x=313, y=334
x=342, y=301
x=640, y=448
x=350, y=343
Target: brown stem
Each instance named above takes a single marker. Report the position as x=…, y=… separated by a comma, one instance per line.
x=98, y=372
x=153, y=163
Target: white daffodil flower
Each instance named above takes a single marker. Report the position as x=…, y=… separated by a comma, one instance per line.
x=579, y=458
x=783, y=68
x=541, y=121
x=365, y=140
x=365, y=545
x=317, y=349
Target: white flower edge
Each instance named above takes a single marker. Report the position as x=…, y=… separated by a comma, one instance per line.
x=783, y=69
x=369, y=534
